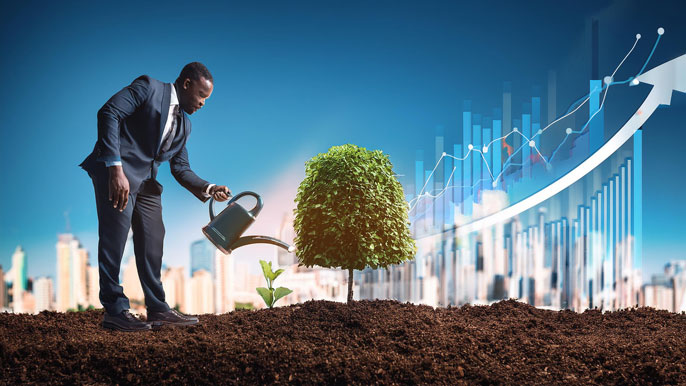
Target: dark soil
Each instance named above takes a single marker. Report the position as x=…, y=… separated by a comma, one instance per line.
x=369, y=342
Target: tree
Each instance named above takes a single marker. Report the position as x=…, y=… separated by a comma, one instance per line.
x=351, y=212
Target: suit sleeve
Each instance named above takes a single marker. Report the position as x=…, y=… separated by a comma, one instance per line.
x=181, y=170
x=119, y=106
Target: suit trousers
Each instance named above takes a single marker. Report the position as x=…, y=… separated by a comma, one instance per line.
x=143, y=215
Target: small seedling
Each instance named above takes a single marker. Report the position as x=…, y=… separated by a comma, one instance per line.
x=270, y=294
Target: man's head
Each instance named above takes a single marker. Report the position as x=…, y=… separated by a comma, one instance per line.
x=193, y=86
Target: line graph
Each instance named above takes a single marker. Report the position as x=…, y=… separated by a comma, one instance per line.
x=665, y=78
x=607, y=81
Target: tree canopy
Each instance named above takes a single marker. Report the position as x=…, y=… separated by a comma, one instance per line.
x=351, y=211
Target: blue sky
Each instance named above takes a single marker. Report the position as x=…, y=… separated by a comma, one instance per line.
x=291, y=80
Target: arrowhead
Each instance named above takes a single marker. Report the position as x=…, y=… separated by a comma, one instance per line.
x=667, y=77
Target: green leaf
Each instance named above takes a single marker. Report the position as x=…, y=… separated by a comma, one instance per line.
x=281, y=292
x=277, y=273
x=266, y=269
x=266, y=295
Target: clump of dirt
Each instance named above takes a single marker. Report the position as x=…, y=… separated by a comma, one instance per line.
x=367, y=342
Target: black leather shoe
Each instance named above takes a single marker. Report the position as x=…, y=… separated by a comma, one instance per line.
x=172, y=317
x=124, y=321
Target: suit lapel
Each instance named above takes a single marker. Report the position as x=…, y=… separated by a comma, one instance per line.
x=186, y=125
x=164, y=113
x=181, y=137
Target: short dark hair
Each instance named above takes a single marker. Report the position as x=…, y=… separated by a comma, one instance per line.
x=195, y=71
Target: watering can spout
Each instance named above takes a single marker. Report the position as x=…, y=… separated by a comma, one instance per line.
x=246, y=240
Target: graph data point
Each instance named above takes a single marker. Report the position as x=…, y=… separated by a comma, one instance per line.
x=634, y=82
x=444, y=154
x=470, y=147
x=660, y=31
x=638, y=36
x=515, y=129
x=495, y=184
x=608, y=79
x=532, y=143
x=485, y=149
x=539, y=132
x=569, y=130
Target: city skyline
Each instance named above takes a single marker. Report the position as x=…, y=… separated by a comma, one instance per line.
x=215, y=287
x=233, y=285
x=302, y=82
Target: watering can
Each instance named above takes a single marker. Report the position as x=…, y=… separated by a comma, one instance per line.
x=225, y=229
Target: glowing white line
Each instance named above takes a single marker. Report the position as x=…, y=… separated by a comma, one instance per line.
x=539, y=153
x=521, y=147
x=429, y=178
x=430, y=195
x=486, y=162
x=427, y=195
x=442, y=191
x=566, y=115
x=610, y=84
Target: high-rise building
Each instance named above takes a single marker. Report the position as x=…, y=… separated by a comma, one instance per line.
x=93, y=274
x=174, y=284
x=64, y=299
x=201, y=293
x=42, y=292
x=658, y=296
x=80, y=277
x=245, y=282
x=223, y=282
x=72, y=260
x=3, y=290
x=202, y=256
x=286, y=233
x=127, y=255
x=667, y=291
x=19, y=279
x=313, y=284
x=8, y=286
x=132, y=284
x=676, y=271
x=28, y=303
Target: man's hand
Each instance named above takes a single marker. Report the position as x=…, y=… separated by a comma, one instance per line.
x=220, y=193
x=119, y=187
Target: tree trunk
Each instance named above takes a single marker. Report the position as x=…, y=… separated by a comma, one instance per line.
x=350, y=285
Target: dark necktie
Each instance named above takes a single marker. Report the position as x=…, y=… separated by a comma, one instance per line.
x=172, y=131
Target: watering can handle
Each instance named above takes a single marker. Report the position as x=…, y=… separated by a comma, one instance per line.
x=253, y=212
x=212, y=208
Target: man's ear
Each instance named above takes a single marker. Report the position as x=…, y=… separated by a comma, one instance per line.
x=186, y=83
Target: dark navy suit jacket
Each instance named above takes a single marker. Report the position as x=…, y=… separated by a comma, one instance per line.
x=130, y=126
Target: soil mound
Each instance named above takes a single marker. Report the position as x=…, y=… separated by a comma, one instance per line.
x=368, y=342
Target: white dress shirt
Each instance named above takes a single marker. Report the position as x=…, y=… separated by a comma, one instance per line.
x=173, y=102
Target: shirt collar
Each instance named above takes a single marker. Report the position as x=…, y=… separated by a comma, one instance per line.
x=174, y=100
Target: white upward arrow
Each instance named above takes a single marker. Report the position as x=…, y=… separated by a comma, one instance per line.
x=665, y=78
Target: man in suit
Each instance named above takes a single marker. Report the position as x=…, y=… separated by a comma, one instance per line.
x=141, y=126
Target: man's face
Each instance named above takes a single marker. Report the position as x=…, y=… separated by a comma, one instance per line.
x=194, y=93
